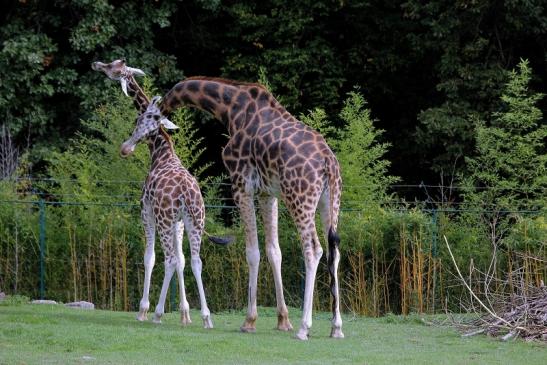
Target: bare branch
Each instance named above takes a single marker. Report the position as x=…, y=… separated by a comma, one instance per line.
x=9, y=155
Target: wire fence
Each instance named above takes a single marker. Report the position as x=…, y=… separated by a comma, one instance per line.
x=373, y=262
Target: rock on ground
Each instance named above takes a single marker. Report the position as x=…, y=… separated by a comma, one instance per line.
x=81, y=304
x=43, y=301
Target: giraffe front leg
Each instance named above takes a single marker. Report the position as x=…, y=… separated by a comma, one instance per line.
x=246, y=206
x=268, y=209
x=149, y=260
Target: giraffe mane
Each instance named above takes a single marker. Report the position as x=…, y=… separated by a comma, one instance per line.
x=167, y=137
x=227, y=81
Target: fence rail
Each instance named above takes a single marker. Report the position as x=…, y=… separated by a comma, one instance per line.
x=411, y=257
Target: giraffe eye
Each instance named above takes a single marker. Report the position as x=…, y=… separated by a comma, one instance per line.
x=156, y=117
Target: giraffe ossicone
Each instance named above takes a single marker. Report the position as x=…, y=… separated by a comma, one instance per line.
x=154, y=110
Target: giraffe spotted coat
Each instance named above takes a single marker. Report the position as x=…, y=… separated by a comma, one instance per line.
x=271, y=154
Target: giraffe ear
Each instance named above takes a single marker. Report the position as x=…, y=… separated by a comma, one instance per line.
x=168, y=124
x=123, y=81
x=155, y=100
x=136, y=71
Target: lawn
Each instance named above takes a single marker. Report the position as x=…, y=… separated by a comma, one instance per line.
x=49, y=334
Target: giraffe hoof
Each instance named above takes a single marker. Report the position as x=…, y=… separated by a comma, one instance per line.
x=284, y=327
x=207, y=322
x=283, y=323
x=142, y=317
x=302, y=335
x=336, y=333
x=247, y=329
x=157, y=319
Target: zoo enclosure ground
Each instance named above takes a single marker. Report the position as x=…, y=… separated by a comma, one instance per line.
x=33, y=334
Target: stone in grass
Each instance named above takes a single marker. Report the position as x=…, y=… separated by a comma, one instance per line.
x=81, y=304
x=43, y=301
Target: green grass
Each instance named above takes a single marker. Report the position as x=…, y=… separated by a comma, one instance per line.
x=42, y=334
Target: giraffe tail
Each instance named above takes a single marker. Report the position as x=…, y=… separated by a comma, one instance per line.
x=223, y=241
x=335, y=190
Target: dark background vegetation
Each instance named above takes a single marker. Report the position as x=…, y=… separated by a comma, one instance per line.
x=424, y=67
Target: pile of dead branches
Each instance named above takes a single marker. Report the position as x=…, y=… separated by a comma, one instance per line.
x=524, y=316
x=518, y=312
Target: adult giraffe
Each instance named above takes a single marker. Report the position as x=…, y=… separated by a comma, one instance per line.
x=171, y=201
x=270, y=153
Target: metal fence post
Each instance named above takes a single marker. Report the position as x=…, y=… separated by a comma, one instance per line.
x=42, y=223
x=434, y=252
x=434, y=234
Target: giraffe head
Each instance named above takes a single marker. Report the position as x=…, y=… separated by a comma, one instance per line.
x=118, y=71
x=147, y=125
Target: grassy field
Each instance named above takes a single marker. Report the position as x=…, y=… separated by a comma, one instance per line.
x=45, y=334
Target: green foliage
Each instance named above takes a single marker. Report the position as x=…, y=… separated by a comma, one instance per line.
x=508, y=177
x=93, y=156
x=510, y=169
x=14, y=300
x=318, y=120
x=25, y=85
x=428, y=67
x=364, y=170
x=470, y=42
x=288, y=40
x=95, y=27
x=47, y=85
x=18, y=239
x=361, y=156
x=188, y=146
x=528, y=234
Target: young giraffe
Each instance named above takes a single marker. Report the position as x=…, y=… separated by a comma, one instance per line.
x=271, y=153
x=170, y=194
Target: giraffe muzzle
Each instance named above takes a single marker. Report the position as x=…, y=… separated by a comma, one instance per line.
x=127, y=149
x=97, y=66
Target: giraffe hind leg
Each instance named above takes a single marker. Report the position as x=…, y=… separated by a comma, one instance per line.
x=169, y=270
x=268, y=208
x=194, y=237
x=245, y=203
x=180, y=262
x=333, y=260
x=312, y=254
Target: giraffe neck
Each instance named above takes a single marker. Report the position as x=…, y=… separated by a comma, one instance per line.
x=161, y=148
x=140, y=100
x=235, y=104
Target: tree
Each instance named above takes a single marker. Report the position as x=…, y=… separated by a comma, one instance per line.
x=472, y=44
x=361, y=156
x=47, y=85
x=509, y=173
